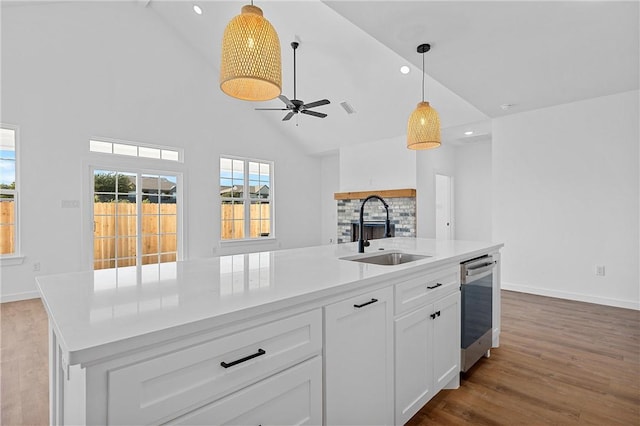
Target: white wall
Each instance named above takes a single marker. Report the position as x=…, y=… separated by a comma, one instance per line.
x=76, y=70
x=473, y=191
x=388, y=164
x=565, y=199
x=429, y=163
x=375, y=165
x=330, y=176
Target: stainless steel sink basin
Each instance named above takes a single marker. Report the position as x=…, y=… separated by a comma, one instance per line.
x=388, y=258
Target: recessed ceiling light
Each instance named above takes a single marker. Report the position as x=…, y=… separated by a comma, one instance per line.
x=197, y=9
x=468, y=133
x=405, y=69
x=506, y=106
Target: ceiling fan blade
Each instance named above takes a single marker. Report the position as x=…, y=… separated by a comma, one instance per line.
x=271, y=109
x=288, y=116
x=286, y=101
x=315, y=114
x=316, y=103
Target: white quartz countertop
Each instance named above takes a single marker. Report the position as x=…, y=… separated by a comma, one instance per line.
x=91, y=309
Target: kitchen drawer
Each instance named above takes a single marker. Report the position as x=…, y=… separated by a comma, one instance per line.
x=293, y=397
x=418, y=291
x=159, y=388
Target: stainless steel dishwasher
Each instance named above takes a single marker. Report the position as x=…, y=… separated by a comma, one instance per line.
x=476, y=277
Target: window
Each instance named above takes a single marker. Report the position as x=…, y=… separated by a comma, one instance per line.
x=136, y=150
x=246, y=191
x=8, y=193
x=135, y=218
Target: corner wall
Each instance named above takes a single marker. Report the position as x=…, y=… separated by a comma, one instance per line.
x=565, y=199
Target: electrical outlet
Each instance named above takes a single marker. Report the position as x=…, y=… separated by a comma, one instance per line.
x=36, y=266
x=600, y=270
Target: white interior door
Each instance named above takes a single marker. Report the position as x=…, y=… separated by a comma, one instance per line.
x=444, y=210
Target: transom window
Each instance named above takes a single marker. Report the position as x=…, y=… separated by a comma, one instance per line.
x=8, y=193
x=246, y=190
x=135, y=150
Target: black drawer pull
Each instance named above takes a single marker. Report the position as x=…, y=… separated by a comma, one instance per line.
x=438, y=313
x=434, y=286
x=246, y=358
x=433, y=316
x=366, y=303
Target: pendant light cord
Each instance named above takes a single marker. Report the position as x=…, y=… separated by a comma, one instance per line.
x=422, y=76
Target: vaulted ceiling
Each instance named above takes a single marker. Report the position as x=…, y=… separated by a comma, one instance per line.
x=529, y=54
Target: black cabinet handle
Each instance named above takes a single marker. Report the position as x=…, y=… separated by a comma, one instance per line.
x=434, y=286
x=438, y=313
x=246, y=358
x=433, y=316
x=366, y=303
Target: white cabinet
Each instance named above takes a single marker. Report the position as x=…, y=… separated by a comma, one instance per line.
x=446, y=340
x=167, y=385
x=359, y=360
x=293, y=397
x=427, y=352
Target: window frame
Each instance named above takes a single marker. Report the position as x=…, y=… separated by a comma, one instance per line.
x=16, y=257
x=137, y=146
x=93, y=160
x=246, y=199
x=138, y=171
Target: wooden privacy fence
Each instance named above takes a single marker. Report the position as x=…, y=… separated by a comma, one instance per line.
x=115, y=227
x=159, y=225
x=8, y=227
x=232, y=225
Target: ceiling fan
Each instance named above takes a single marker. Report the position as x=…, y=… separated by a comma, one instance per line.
x=295, y=106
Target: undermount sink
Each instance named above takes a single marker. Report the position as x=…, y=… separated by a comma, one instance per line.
x=388, y=258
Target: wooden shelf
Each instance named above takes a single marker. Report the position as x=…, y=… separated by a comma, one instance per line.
x=386, y=193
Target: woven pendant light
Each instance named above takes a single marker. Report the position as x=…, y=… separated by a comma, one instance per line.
x=251, y=67
x=423, y=129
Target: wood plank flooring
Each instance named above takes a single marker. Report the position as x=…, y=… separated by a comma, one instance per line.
x=560, y=362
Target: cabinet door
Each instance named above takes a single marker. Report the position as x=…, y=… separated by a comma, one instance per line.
x=293, y=397
x=414, y=362
x=359, y=360
x=446, y=338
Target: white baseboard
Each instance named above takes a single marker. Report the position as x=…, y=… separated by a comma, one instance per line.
x=14, y=297
x=628, y=304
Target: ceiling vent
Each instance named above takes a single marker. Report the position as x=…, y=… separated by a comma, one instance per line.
x=347, y=107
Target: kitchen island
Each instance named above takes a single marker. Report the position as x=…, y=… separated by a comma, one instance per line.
x=278, y=337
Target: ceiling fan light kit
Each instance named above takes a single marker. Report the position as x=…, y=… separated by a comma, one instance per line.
x=251, y=66
x=423, y=129
x=295, y=106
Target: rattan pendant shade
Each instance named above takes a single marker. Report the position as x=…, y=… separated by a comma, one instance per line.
x=251, y=66
x=423, y=129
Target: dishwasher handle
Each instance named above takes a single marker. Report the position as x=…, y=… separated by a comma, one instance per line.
x=477, y=269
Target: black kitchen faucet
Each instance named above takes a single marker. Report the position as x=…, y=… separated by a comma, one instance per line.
x=361, y=242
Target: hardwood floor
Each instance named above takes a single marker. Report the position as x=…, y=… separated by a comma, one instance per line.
x=559, y=362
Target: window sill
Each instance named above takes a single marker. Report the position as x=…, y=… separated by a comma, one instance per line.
x=252, y=241
x=11, y=260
